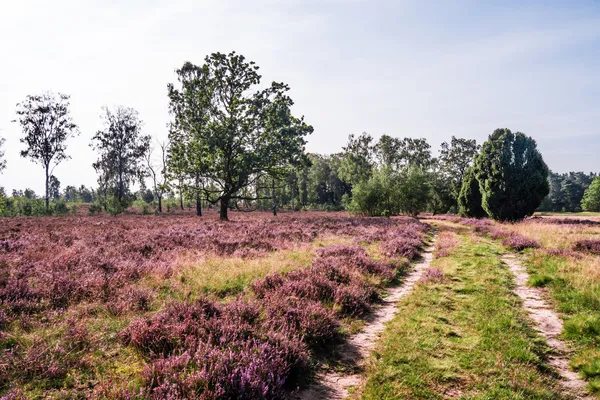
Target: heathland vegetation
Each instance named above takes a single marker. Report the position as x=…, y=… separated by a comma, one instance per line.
x=186, y=304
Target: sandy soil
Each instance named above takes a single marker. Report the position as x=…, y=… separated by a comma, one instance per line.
x=549, y=325
x=354, y=352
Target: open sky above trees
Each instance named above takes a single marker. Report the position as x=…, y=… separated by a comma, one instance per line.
x=406, y=69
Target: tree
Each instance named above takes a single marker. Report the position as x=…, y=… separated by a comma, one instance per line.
x=238, y=133
x=121, y=147
x=390, y=192
x=357, y=162
x=412, y=191
x=158, y=173
x=416, y=152
x=469, y=198
x=2, y=159
x=388, y=152
x=440, y=199
x=591, y=198
x=47, y=124
x=54, y=190
x=512, y=175
x=399, y=153
x=454, y=160
x=373, y=197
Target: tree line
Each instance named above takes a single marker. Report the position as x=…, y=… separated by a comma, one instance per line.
x=235, y=144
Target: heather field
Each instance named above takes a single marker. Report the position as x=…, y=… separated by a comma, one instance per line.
x=183, y=307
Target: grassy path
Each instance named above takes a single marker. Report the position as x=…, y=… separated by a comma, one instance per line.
x=338, y=383
x=548, y=324
x=462, y=335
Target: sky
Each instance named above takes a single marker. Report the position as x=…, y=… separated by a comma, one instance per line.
x=410, y=68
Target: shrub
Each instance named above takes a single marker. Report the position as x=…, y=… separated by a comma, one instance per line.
x=588, y=246
x=591, y=197
x=313, y=323
x=433, y=275
x=512, y=175
x=520, y=243
x=469, y=198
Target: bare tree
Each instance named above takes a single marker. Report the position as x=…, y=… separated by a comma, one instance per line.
x=158, y=172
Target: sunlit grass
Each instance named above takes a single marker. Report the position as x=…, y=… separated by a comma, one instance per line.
x=464, y=337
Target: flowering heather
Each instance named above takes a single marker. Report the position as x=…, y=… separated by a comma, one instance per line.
x=446, y=242
x=588, y=246
x=56, y=273
x=518, y=242
x=432, y=275
x=479, y=225
x=564, y=221
x=562, y=252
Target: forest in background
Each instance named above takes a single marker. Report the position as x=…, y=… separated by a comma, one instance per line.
x=234, y=146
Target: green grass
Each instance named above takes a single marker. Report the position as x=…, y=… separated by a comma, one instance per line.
x=578, y=302
x=574, y=214
x=465, y=338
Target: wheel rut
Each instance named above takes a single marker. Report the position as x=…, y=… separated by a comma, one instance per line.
x=549, y=325
x=353, y=353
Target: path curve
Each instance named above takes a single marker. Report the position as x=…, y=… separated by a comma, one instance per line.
x=335, y=385
x=549, y=325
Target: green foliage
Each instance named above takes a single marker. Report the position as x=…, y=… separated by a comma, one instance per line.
x=512, y=175
x=469, y=198
x=412, y=191
x=455, y=158
x=228, y=131
x=2, y=159
x=398, y=153
x=357, y=160
x=47, y=124
x=121, y=147
x=2, y=201
x=374, y=196
x=389, y=192
x=591, y=198
x=566, y=191
x=95, y=209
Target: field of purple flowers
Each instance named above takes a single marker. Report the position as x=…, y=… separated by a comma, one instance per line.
x=77, y=319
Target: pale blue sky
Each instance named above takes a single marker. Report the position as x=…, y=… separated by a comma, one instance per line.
x=403, y=68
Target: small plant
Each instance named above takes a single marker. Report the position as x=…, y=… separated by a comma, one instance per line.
x=519, y=243
x=588, y=246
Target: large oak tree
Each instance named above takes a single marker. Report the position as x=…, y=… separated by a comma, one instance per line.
x=231, y=132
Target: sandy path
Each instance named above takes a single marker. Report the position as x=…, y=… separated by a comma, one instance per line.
x=336, y=385
x=548, y=323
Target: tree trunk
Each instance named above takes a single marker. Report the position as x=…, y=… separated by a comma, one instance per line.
x=224, y=208
x=181, y=199
x=274, y=198
x=159, y=204
x=198, y=204
x=47, y=182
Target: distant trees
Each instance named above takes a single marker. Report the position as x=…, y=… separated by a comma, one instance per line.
x=46, y=122
x=403, y=180
x=121, y=147
x=237, y=133
x=2, y=159
x=469, y=197
x=512, y=175
x=158, y=173
x=566, y=191
x=591, y=198
x=54, y=189
x=454, y=160
x=357, y=160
